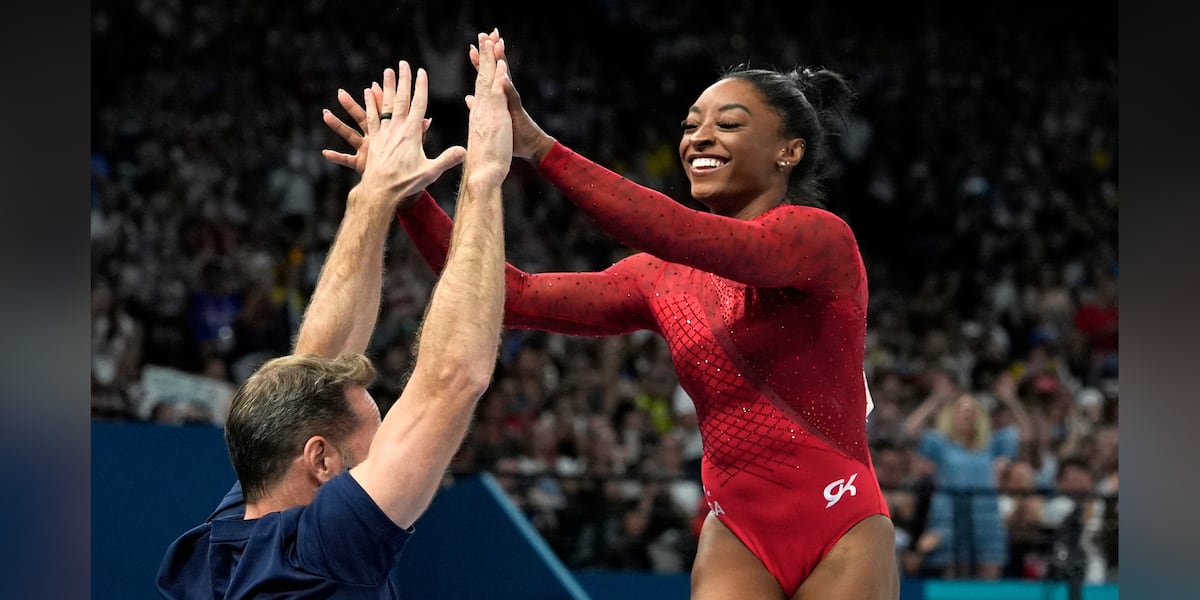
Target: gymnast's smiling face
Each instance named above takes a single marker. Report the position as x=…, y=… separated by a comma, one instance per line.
x=731, y=149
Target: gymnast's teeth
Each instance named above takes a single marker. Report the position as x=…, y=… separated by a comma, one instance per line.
x=707, y=163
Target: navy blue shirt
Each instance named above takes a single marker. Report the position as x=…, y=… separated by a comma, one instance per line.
x=340, y=546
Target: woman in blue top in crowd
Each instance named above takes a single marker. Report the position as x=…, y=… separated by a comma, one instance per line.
x=967, y=455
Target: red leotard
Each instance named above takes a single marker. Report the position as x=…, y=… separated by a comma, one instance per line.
x=766, y=323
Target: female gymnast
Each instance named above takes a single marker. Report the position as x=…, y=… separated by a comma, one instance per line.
x=762, y=302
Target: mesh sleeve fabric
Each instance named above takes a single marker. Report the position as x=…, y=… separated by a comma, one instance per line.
x=610, y=302
x=791, y=246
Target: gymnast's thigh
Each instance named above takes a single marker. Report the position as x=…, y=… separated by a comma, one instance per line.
x=860, y=566
x=725, y=569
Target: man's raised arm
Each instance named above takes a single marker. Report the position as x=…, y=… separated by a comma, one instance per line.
x=456, y=353
x=345, y=305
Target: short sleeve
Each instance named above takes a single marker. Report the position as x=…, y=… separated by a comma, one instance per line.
x=345, y=536
x=932, y=445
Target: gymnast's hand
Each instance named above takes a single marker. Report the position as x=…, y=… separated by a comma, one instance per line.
x=529, y=141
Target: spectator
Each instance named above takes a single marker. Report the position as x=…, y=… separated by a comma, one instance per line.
x=1022, y=510
x=665, y=465
x=1077, y=516
x=214, y=308
x=892, y=468
x=967, y=455
x=1097, y=319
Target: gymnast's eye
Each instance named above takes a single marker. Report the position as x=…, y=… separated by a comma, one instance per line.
x=687, y=125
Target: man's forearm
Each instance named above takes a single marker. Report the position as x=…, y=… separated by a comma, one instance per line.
x=455, y=358
x=345, y=304
x=462, y=328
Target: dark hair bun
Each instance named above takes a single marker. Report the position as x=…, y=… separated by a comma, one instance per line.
x=827, y=91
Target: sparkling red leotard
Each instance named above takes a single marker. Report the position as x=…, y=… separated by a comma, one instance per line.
x=766, y=324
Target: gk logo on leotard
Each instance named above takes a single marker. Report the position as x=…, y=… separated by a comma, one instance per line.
x=843, y=486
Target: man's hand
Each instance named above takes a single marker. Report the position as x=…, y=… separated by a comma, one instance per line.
x=345, y=304
x=358, y=160
x=396, y=165
x=529, y=141
x=490, y=129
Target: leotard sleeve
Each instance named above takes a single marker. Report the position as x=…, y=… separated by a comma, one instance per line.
x=609, y=302
x=792, y=246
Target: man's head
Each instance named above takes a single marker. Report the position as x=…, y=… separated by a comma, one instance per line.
x=301, y=412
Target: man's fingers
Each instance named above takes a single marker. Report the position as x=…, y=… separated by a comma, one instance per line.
x=487, y=63
x=389, y=91
x=434, y=168
x=450, y=157
x=470, y=100
x=500, y=50
x=403, y=85
x=420, y=97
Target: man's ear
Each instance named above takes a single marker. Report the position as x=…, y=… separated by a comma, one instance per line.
x=321, y=458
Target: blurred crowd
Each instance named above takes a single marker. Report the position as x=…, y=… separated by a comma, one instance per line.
x=978, y=171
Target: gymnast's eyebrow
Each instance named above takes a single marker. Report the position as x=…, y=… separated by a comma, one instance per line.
x=724, y=107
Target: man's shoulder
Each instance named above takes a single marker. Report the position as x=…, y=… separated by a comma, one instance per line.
x=186, y=563
x=288, y=547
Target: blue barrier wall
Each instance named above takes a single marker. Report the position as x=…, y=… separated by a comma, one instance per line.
x=150, y=483
x=473, y=543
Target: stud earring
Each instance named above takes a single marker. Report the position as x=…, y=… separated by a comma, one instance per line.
x=783, y=163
